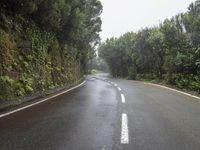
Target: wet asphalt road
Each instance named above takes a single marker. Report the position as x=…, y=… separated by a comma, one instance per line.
x=89, y=118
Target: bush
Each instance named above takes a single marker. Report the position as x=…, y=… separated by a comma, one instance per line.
x=187, y=81
x=132, y=73
x=6, y=88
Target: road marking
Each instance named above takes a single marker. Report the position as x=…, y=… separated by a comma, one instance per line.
x=174, y=90
x=119, y=88
x=124, y=130
x=123, y=98
x=46, y=99
x=115, y=84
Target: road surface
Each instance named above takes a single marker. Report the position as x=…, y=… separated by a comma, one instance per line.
x=106, y=114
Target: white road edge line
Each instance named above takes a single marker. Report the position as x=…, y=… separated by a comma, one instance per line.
x=115, y=84
x=119, y=88
x=46, y=99
x=124, y=129
x=174, y=90
x=123, y=98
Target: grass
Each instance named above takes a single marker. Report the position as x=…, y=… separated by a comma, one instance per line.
x=164, y=83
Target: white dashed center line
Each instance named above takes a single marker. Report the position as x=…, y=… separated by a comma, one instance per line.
x=123, y=98
x=119, y=88
x=124, y=130
x=124, y=121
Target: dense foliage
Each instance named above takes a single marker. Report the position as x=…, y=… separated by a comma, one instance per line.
x=45, y=44
x=98, y=64
x=169, y=52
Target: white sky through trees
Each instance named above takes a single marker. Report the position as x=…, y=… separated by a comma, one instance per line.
x=121, y=16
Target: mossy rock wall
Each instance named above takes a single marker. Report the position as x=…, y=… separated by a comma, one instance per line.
x=32, y=60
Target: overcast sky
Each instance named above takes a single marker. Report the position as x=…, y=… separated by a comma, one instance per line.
x=121, y=16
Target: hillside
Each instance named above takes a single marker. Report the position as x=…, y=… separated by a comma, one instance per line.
x=45, y=44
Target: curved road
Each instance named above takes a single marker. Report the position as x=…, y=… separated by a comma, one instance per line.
x=106, y=114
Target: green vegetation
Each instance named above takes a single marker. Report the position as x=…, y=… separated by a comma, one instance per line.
x=97, y=65
x=169, y=52
x=45, y=44
x=94, y=71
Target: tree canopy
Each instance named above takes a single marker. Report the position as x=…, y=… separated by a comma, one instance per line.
x=170, y=51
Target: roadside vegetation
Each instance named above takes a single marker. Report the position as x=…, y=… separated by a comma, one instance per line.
x=45, y=44
x=97, y=65
x=167, y=53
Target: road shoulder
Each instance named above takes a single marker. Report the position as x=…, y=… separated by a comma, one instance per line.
x=32, y=101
